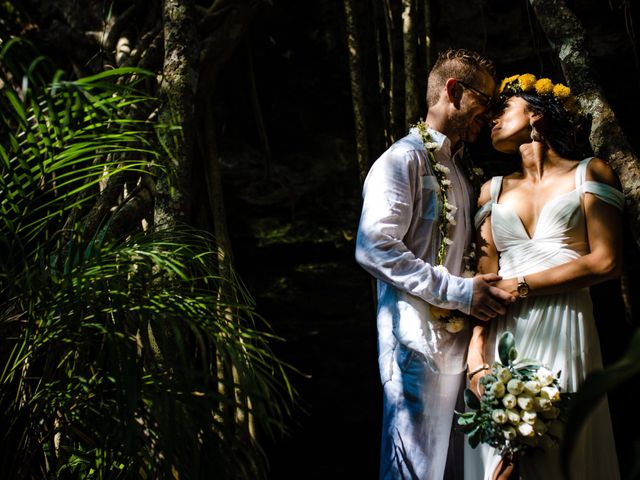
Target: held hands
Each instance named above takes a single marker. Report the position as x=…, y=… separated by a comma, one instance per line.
x=489, y=300
x=508, y=284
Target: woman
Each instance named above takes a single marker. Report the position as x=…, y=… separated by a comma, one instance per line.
x=550, y=230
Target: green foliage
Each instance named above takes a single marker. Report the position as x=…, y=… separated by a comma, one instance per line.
x=122, y=358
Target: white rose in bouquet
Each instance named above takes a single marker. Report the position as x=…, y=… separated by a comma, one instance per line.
x=542, y=404
x=509, y=432
x=529, y=417
x=552, y=393
x=525, y=402
x=509, y=400
x=532, y=387
x=498, y=390
x=513, y=416
x=515, y=386
x=525, y=430
x=545, y=376
x=499, y=416
x=503, y=374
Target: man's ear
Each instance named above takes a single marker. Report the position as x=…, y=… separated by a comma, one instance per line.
x=454, y=91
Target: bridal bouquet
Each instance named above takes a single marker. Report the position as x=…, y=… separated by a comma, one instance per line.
x=521, y=406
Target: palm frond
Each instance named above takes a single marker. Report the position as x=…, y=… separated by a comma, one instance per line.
x=122, y=357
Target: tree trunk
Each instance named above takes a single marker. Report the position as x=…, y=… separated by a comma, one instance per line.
x=392, y=126
x=357, y=83
x=178, y=88
x=427, y=37
x=567, y=37
x=410, y=40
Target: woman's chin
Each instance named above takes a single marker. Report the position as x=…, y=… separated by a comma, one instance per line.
x=503, y=147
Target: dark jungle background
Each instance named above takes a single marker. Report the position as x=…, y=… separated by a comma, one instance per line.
x=280, y=100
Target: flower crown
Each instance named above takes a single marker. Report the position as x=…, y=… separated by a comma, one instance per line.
x=542, y=87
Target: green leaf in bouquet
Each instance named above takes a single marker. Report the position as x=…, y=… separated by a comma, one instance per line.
x=474, y=437
x=507, y=348
x=528, y=362
x=471, y=400
x=467, y=418
x=468, y=428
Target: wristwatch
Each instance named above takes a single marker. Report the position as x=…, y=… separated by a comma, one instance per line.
x=523, y=287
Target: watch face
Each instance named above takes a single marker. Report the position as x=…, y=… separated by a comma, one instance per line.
x=523, y=289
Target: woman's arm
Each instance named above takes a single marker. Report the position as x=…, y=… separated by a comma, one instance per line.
x=487, y=263
x=604, y=232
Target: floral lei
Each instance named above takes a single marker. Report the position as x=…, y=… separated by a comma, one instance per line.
x=453, y=320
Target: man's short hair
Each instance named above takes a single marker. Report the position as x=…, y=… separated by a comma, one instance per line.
x=460, y=63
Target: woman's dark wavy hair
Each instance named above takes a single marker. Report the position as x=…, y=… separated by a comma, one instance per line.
x=562, y=132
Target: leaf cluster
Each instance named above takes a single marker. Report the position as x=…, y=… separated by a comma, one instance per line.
x=122, y=357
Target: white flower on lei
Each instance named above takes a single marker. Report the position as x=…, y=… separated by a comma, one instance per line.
x=441, y=168
x=451, y=207
x=450, y=219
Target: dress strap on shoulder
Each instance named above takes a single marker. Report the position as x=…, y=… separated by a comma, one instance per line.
x=496, y=187
x=581, y=171
x=605, y=192
x=484, y=211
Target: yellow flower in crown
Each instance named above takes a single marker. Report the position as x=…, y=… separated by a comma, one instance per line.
x=527, y=82
x=561, y=91
x=506, y=81
x=544, y=86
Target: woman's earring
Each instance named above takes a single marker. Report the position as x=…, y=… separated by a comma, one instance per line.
x=536, y=136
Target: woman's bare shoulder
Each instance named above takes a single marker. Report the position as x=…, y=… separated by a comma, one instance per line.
x=599, y=171
x=485, y=193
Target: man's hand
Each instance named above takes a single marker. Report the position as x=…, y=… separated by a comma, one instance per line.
x=489, y=301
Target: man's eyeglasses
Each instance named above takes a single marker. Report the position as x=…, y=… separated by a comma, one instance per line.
x=486, y=99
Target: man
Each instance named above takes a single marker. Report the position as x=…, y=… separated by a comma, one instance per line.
x=421, y=363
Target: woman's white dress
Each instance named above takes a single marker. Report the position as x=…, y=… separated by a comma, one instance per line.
x=558, y=330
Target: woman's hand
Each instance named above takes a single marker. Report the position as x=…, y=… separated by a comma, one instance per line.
x=475, y=359
x=505, y=469
x=508, y=284
x=474, y=383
